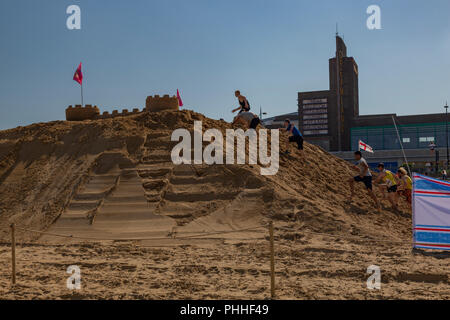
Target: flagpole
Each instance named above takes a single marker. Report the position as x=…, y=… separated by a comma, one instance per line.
x=82, y=104
x=401, y=145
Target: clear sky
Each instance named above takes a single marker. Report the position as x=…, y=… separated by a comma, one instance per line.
x=269, y=50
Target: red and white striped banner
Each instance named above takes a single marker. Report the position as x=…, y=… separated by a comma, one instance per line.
x=365, y=147
x=431, y=213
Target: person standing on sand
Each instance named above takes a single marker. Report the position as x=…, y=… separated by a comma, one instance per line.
x=405, y=185
x=390, y=183
x=364, y=176
x=296, y=135
x=244, y=106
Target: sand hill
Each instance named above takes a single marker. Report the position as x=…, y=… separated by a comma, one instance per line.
x=114, y=179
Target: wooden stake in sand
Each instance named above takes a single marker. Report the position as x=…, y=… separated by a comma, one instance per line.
x=272, y=262
x=13, y=253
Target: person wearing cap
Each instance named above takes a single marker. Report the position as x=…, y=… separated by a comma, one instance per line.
x=387, y=181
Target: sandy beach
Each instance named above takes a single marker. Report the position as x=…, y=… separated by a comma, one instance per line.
x=143, y=228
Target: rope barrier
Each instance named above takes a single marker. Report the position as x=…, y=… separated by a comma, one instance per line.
x=195, y=236
x=349, y=238
x=199, y=235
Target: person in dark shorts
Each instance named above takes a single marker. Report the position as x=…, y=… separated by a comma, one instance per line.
x=365, y=177
x=296, y=135
x=248, y=118
x=244, y=106
x=389, y=183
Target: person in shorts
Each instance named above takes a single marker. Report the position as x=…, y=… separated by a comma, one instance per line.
x=389, y=184
x=405, y=186
x=244, y=106
x=365, y=177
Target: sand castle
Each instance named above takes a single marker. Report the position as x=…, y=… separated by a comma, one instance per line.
x=80, y=113
x=152, y=104
x=157, y=103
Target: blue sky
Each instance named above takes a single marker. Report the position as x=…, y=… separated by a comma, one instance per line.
x=269, y=50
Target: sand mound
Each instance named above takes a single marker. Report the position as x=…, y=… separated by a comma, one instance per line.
x=114, y=178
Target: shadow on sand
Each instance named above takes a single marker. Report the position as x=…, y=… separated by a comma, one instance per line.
x=434, y=254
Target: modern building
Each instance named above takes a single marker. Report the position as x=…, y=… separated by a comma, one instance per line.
x=330, y=119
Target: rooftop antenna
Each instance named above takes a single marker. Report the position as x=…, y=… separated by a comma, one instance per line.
x=337, y=32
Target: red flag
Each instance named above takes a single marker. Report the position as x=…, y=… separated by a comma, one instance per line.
x=180, y=102
x=78, y=76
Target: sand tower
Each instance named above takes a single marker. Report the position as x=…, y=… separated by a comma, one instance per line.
x=157, y=103
x=80, y=113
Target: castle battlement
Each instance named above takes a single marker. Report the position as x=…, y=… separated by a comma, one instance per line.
x=80, y=113
x=152, y=104
x=157, y=103
x=116, y=113
x=89, y=112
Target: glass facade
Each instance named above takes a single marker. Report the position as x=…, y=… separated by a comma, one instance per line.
x=413, y=136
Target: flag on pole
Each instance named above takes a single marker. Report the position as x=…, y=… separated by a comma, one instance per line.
x=78, y=76
x=365, y=147
x=431, y=213
x=180, y=102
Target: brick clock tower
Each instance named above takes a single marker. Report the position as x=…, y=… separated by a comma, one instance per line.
x=326, y=116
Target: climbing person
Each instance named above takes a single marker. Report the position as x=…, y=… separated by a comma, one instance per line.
x=249, y=119
x=244, y=106
x=405, y=186
x=296, y=135
x=365, y=177
x=389, y=183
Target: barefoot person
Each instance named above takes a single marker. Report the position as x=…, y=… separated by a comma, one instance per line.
x=405, y=186
x=365, y=177
x=244, y=106
x=296, y=135
x=248, y=119
x=389, y=184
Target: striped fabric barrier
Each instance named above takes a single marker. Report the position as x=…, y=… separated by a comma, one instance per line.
x=431, y=213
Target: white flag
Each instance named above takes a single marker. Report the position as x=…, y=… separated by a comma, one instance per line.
x=365, y=147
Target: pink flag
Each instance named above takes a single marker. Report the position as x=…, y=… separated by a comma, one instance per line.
x=78, y=76
x=180, y=102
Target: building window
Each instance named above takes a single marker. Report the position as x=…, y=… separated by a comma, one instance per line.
x=314, y=132
x=406, y=140
x=320, y=100
x=315, y=116
x=426, y=139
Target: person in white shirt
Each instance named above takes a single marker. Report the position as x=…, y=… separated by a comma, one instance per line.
x=364, y=176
